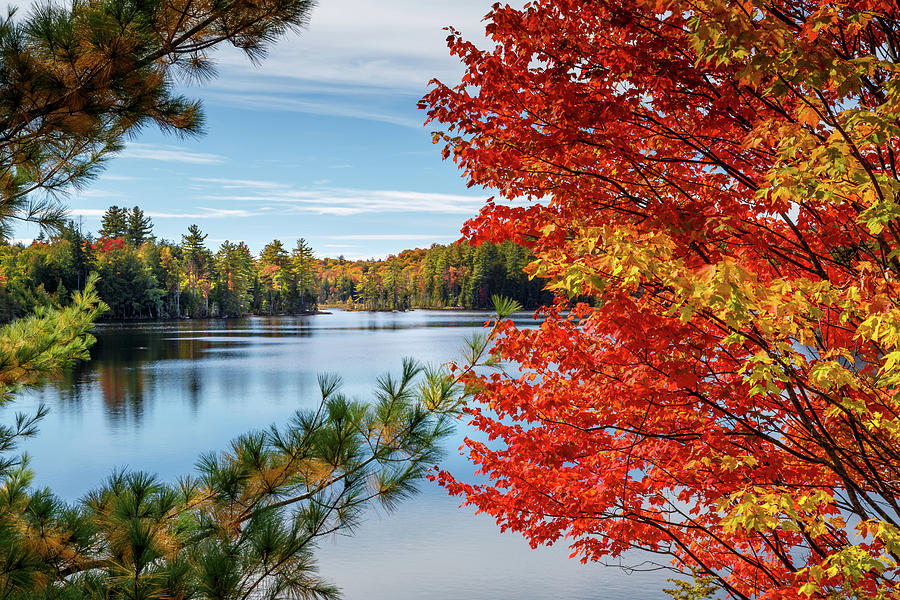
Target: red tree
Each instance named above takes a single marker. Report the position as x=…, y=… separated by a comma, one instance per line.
x=718, y=181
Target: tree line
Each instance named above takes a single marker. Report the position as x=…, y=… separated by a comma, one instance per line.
x=458, y=275
x=142, y=277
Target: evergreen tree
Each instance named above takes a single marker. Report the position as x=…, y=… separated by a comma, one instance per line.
x=485, y=273
x=170, y=265
x=301, y=263
x=273, y=273
x=234, y=267
x=114, y=223
x=80, y=255
x=139, y=228
x=196, y=261
x=126, y=283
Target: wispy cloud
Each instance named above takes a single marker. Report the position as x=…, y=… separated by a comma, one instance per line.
x=97, y=193
x=204, y=213
x=170, y=154
x=398, y=44
x=390, y=237
x=106, y=177
x=348, y=201
x=359, y=59
x=330, y=107
x=235, y=184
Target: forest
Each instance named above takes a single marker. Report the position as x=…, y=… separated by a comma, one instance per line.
x=142, y=277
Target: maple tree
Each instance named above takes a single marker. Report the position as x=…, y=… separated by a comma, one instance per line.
x=717, y=183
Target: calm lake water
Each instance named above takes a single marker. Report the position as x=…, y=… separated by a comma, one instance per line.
x=157, y=395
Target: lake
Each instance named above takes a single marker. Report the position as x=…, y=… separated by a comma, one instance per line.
x=157, y=395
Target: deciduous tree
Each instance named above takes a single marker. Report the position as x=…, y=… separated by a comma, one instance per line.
x=719, y=181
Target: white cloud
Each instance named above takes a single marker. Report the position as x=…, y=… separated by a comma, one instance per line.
x=86, y=212
x=106, y=177
x=348, y=201
x=205, y=213
x=390, y=237
x=398, y=44
x=96, y=193
x=351, y=51
x=170, y=154
x=229, y=184
x=330, y=107
x=358, y=58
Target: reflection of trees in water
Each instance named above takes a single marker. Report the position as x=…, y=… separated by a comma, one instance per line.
x=120, y=361
x=123, y=388
x=126, y=367
x=193, y=387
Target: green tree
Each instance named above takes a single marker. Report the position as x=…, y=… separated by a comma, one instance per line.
x=195, y=262
x=114, y=223
x=370, y=289
x=170, y=265
x=127, y=285
x=139, y=228
x=485, y=274
x=80, y=257
x=234, y=268
x=301, y=263
x=273, y=273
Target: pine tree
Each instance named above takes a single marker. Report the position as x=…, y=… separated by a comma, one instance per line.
x=273, y=262
x=139, y=228
x=234, y=266
x=114, y=223
x=301, y=263
x=196, y=261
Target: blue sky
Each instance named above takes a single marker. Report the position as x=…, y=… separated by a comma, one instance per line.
x=321, y=141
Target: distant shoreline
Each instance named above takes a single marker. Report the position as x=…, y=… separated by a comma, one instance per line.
x=103, y=321
x=297, y=314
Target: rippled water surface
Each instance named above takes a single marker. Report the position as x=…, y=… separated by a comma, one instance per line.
x=157, y=395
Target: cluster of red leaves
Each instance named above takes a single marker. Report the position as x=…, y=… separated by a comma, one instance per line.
x=630, y=424
x=105, y=245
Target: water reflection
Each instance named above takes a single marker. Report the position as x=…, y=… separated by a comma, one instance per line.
x=157, y=395
x=128, y=360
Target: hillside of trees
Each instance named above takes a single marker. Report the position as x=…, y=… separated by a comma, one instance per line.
x=142, y=277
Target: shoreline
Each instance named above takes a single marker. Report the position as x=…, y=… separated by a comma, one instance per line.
x=298, y=314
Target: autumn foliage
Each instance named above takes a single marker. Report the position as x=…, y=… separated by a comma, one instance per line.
x=719, y=181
